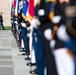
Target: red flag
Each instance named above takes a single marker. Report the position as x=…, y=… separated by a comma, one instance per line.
x=14, y=3
x=31, y=9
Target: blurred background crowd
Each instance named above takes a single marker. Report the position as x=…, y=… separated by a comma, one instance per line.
x=46, y=31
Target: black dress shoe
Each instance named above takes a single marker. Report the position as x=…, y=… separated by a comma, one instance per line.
x=34, y=71
x=31, y=64
x=27, y=58
x=22, y=51
x=25, y=53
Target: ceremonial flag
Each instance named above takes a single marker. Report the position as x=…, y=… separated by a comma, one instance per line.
x=14, y=3
x=17, y=7
x=35, y=2
x=12, y=9
x=31, y=9
x=20, y=4
x=24, y=9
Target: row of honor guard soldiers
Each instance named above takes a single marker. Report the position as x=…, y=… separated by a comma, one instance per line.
x=49, y=39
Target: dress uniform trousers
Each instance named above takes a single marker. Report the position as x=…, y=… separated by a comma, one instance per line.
x=71, y=45
x=48, y=56
x=38, y=51
x=25, y=39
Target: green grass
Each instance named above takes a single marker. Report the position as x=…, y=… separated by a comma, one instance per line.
x=6, y=27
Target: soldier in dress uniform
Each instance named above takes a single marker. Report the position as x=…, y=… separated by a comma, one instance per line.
x=59, y=14
x=71, y=29
x=45, y=14
x=37, y=44
x=23, y=30
x=61, y=39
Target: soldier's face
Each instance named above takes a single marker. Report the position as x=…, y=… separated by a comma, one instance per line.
x=38, y=1
x=61, y=1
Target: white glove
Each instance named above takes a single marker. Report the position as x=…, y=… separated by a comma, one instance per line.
x=48, y=34
x=30, y=28
x=35, y=23
x=56, y=19
x=62, y=34
x=38, y=22
x=41, y=12
x=52, y=44
x=23, y=25
x=11, y=21
x=15, y=22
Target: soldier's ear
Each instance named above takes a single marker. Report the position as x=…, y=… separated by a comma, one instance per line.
x=70, y=12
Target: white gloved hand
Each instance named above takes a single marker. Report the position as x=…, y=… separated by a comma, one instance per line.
x=35, y=23
x=31, y=28
x=48, y=34
x=56, y=19
x=28, y=28
x=52, y=44
x=23, y=25
x=62, y=34
x=41, y=12
x=15, y=22
x=11, y=21
x=38, y=22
